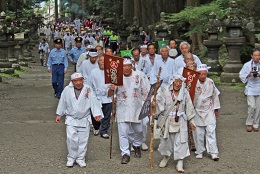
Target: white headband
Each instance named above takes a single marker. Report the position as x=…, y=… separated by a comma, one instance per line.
x=75, y=76
x=127, y=61
x=143, y=46
x=203, y=67
x=93, y=54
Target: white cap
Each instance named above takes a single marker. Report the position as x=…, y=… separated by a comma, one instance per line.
x=143, y=46
x=203, y=67
x=90, y=46
x=75, y=76
x=127, y=61
x=93, y=54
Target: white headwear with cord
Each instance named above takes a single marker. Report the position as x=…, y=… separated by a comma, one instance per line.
x=75, y=76
x=182, y=90
x=203, y=67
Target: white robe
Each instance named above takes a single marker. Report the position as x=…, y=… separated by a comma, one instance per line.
x=82, y=57
x=67, y=40
x=78, y=111
x=85, y=69
x=168, y=69
x=180, y=60
x=174, y=135
x=252, y=83
x=97, y=82
x=130, y=97
x=145, y=66
x=206, y=100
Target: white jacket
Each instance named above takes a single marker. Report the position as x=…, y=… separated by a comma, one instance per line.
x=77, y=111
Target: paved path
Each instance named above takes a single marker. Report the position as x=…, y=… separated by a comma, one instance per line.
x=31, y=142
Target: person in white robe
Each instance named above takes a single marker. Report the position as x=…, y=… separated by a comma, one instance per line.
x=141, y=64
x=77, y=99
x=250, y=75
x=83, y=56
x=207, y=104
x=48, y=33
x=129, y=99
x=88, y=65
x=189, y=63
x=152, y=56
x=104, y=94
x=145, y=120
x=175, y=111
x=185, y=48
x=67, y=41
x=168, y=67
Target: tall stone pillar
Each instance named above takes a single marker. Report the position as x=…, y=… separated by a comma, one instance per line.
x=213, y=45
x=233, y=42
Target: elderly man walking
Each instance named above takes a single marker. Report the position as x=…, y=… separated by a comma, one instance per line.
x=129, y=99
x=175, y=111
x=76, y=103
x=206, y=103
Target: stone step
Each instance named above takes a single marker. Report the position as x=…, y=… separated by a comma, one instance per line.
x=7, y=70
x=5, y=64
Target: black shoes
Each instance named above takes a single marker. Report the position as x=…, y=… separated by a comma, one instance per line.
x=125, y=159
x=137, y=151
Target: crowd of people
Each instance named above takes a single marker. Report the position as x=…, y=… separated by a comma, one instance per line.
x=87, y=101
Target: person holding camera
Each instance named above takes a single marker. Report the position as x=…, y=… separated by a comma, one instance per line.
x=43, y=50
x=249, y=75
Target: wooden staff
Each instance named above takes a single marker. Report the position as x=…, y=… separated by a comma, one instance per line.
x=112, y=122
x=153, y=117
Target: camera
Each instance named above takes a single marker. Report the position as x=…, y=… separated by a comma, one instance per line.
x=255, y=71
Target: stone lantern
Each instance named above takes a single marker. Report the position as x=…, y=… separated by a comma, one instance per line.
x=161, y=29
x=5, y=65
x=123, y=33
x=213, y=44
x=233, y=42
x=134, y=37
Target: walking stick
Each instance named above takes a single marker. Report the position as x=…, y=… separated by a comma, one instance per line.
x=153, y=117
x=112, y=123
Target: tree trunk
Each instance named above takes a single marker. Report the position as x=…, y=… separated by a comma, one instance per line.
x=195, y=37
x=193, y=3
x=138, y=10
x=128, y=10
x=3, y=6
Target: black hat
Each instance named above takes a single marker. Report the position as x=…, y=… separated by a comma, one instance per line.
x=58, y=41
x=78, y=39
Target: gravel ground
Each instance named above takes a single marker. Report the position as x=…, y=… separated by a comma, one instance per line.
x=31, y=142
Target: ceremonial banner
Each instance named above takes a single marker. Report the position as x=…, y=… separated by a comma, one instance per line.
x=191, y=80
x=163, y=43
x=145, y=111
x=126, y=53
x=113, y=69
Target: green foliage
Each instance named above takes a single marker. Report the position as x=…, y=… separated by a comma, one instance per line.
x=197, y=17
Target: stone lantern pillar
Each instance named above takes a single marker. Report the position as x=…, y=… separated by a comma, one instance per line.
x=213, y=45
x=5, y=65
x=161, y=30
x=233, y=42
x=134, y=33
x=123, y=34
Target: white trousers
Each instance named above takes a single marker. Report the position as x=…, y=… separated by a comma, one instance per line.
x=173, y=144
x=77, y=140
x=145, y=122
x=253, y=103
x=124, y=137
x=211, y=141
